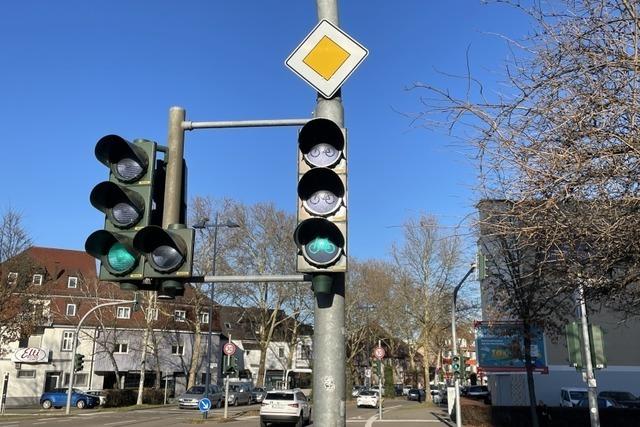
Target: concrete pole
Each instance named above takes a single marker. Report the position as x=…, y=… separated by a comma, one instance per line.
x=592, y=389
x=329, y=376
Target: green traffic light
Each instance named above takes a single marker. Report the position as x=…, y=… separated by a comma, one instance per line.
x=120, y=259
x=322, y=251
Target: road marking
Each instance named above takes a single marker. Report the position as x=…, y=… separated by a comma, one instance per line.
x=93, y=414
x=119, y=422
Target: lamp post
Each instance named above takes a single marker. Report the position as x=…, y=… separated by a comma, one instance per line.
x=215, y=226
x=454, y=342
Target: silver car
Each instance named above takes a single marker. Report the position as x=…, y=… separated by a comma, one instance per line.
x=258, y=394
x=190, y=399
x=239, y=395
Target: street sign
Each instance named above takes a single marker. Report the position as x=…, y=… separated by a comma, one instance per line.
x=229, y=349
x=204, y=404
x=379, y=353
x=326, y=58
x=367, y=372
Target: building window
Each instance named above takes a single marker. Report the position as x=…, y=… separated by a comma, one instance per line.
x=204, y=318
x=26, y=374
x=280, y=351
x=152, y=314
x=37, y=279
x=121, y=348
x=67, y=341
x=79, y=379
x=72, y=282
x=305, y=352
x=180, y=315
x=71, y=310
x=12, y=277
x=123, y=312
x=177, y=349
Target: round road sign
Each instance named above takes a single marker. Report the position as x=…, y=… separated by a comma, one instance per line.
x=204, y=404
x=229, y=349
x=379, y=353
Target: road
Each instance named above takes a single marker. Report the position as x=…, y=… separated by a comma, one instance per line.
x=404, y=413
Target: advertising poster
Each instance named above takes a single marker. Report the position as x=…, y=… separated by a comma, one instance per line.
x=500, y=348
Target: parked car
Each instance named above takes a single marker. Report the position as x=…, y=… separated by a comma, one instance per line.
x=624, y=398
x=368, y=398
x=405, y=389
x=57, y=398
x=190, y=399
x=239, y=395
x=416, y=394
x=603, y=402
x=258, y=394
x=99, y=394
x=477, y=392
x=285, y=406
x=570, y=396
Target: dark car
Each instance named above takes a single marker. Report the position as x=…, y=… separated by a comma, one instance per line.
x=190, y=398
x=603, y=402
x=624, y=398
x=258, y=394
x=57, y=398
x=416, y=394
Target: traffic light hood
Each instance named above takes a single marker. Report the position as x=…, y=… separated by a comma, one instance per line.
x=111, y=149
x=107, y=194
x=101, y=242
x=318, y=131
x=313, y=228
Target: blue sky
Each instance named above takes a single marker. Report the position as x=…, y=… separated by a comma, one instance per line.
x=73, y=71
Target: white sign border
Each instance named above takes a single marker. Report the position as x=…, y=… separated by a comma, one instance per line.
x=327, y=88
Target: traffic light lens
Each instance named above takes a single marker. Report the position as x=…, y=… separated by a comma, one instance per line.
x=120, y=259
x=322, y=251
x=166, y=258
x=323, y=155
x=129, y=170
x=322, y=202
x=125, y=214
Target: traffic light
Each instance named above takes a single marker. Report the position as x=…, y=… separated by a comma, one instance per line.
x=168, y=254
x=230, y=365
x=321, y=233
x=456, y=366
x=126, y=199
x=78, y=362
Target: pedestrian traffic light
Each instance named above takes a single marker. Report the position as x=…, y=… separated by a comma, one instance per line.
x=321, y=233
x=78, y=362
x=168, y=254
x=456, y=366
x=126, y=199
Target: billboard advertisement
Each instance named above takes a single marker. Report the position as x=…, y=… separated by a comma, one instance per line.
x=500, y=347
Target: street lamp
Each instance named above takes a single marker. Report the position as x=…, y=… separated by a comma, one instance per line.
x=200, y=225
x=455, y=344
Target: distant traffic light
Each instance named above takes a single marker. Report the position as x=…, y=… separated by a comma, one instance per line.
x=126, y=199
x=321, y=233
x=78, y=362
x=456, y=366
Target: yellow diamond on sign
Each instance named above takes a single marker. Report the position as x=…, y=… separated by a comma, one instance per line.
x=326, y=58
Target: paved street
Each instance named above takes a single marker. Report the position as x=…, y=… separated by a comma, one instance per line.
x=396, y=413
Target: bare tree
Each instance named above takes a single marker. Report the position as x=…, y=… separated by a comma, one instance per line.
x=427, y=261
x=560, y=145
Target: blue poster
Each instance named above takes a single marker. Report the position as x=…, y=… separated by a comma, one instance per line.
x=500, y=347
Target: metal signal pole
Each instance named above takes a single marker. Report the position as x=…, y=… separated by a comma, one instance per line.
x=329, y=378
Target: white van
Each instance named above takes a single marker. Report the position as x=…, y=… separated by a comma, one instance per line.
x=570, y=396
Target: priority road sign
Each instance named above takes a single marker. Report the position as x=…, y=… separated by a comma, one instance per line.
x=326, y=58
x=229, y=349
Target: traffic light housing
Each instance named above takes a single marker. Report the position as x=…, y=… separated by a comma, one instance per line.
x=456, y=366
x=230, y=365
x=321, y=233
x=78, y=362
x=126, y=199
x=168, y=254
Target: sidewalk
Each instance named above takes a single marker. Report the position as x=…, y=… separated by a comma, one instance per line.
x=418, y=414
